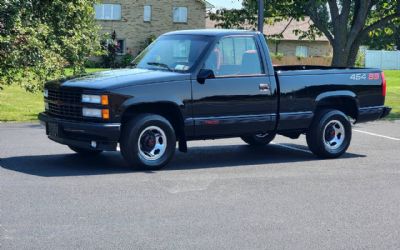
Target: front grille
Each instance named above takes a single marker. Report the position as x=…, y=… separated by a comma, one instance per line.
x=65, y=96
x=64, y=103
x=65, y=111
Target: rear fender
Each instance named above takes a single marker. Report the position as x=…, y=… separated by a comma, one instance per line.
x=343, y=100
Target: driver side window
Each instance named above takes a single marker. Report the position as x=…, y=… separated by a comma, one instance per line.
x=235, y=56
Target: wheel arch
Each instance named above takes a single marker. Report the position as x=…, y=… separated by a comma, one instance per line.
x=168, y=109
x=344, y=101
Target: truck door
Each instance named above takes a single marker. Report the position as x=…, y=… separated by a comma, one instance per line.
x=240, y=99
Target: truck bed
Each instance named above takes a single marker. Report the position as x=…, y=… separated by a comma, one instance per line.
x=301, y=87
x=315, y=69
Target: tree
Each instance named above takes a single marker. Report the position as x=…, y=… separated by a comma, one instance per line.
x=38, y=38
x=387, y=38
x=346, y=23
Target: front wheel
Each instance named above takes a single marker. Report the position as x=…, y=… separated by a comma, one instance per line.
x=148, y=142
x=258, y=139
x=330, y=134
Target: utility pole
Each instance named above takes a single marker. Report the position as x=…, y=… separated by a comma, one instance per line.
x=261, y=16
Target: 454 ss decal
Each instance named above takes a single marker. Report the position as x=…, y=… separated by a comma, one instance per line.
x=363, y=76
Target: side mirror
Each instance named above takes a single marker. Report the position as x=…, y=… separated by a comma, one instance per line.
x=205, y=74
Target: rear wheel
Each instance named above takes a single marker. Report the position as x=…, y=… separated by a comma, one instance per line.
x=148, y=142
x=330, y=134
x=258, y=139
x=85, y=151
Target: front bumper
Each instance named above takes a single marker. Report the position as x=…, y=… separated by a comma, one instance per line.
x=82, y=134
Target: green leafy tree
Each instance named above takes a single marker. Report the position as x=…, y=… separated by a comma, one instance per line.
x=346, y=23
x=39, y=38
x=387, y=38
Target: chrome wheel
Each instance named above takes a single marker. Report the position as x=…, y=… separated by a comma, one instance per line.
x=334, y=135
x=152, y=143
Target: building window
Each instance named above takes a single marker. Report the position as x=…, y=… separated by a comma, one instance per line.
x=147, y=13
x=302, y=51
x=180, y=14
x=108, y=11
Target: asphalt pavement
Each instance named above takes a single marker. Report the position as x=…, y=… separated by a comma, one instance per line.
x=221, y=195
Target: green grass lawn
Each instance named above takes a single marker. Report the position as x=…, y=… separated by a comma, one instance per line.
x=18, y=105
x=393, y=92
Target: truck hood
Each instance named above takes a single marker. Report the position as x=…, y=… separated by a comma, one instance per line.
x=112, y=79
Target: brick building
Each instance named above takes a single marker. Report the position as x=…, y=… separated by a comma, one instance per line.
x=136, y=21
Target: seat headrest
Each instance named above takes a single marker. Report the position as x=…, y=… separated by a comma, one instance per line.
x=250, y=63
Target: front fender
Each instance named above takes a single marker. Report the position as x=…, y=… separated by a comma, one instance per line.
x=177, y=93
x=143, y=100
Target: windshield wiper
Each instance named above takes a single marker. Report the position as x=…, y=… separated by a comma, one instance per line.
x=163, y=65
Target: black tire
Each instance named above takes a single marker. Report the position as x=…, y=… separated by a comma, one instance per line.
x=146, y=128
x=330, y=134
x=85, y=151
x=258, y=140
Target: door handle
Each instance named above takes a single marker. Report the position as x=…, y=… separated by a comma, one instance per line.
x=264, y=87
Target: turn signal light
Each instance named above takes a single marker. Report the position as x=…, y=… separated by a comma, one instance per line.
x=104, y=99
x=105, y=114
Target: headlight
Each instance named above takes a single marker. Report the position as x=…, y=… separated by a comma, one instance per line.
x=91, y=99
x=96, y=99
x=91, y=112
x=46, y=93
x=96, y=113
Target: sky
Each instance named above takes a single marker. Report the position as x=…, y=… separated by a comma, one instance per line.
x=226, y=3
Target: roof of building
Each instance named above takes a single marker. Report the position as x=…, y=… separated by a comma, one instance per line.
x=208, y=4
x=278, y=27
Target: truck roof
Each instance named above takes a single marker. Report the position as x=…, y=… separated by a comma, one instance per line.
x=213, y=32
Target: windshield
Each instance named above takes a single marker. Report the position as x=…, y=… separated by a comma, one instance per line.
x=172, y=53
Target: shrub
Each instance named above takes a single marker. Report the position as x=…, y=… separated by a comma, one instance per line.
x=126, y=60
x=277, y=56
x=360, y=60
x=91, y=64
x=110, y=46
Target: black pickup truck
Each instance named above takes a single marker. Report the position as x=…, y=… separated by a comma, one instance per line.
x=208, y=84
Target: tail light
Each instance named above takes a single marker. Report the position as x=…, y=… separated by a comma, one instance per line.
x=384, y=86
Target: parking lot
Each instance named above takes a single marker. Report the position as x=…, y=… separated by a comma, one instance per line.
x=221, y=195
